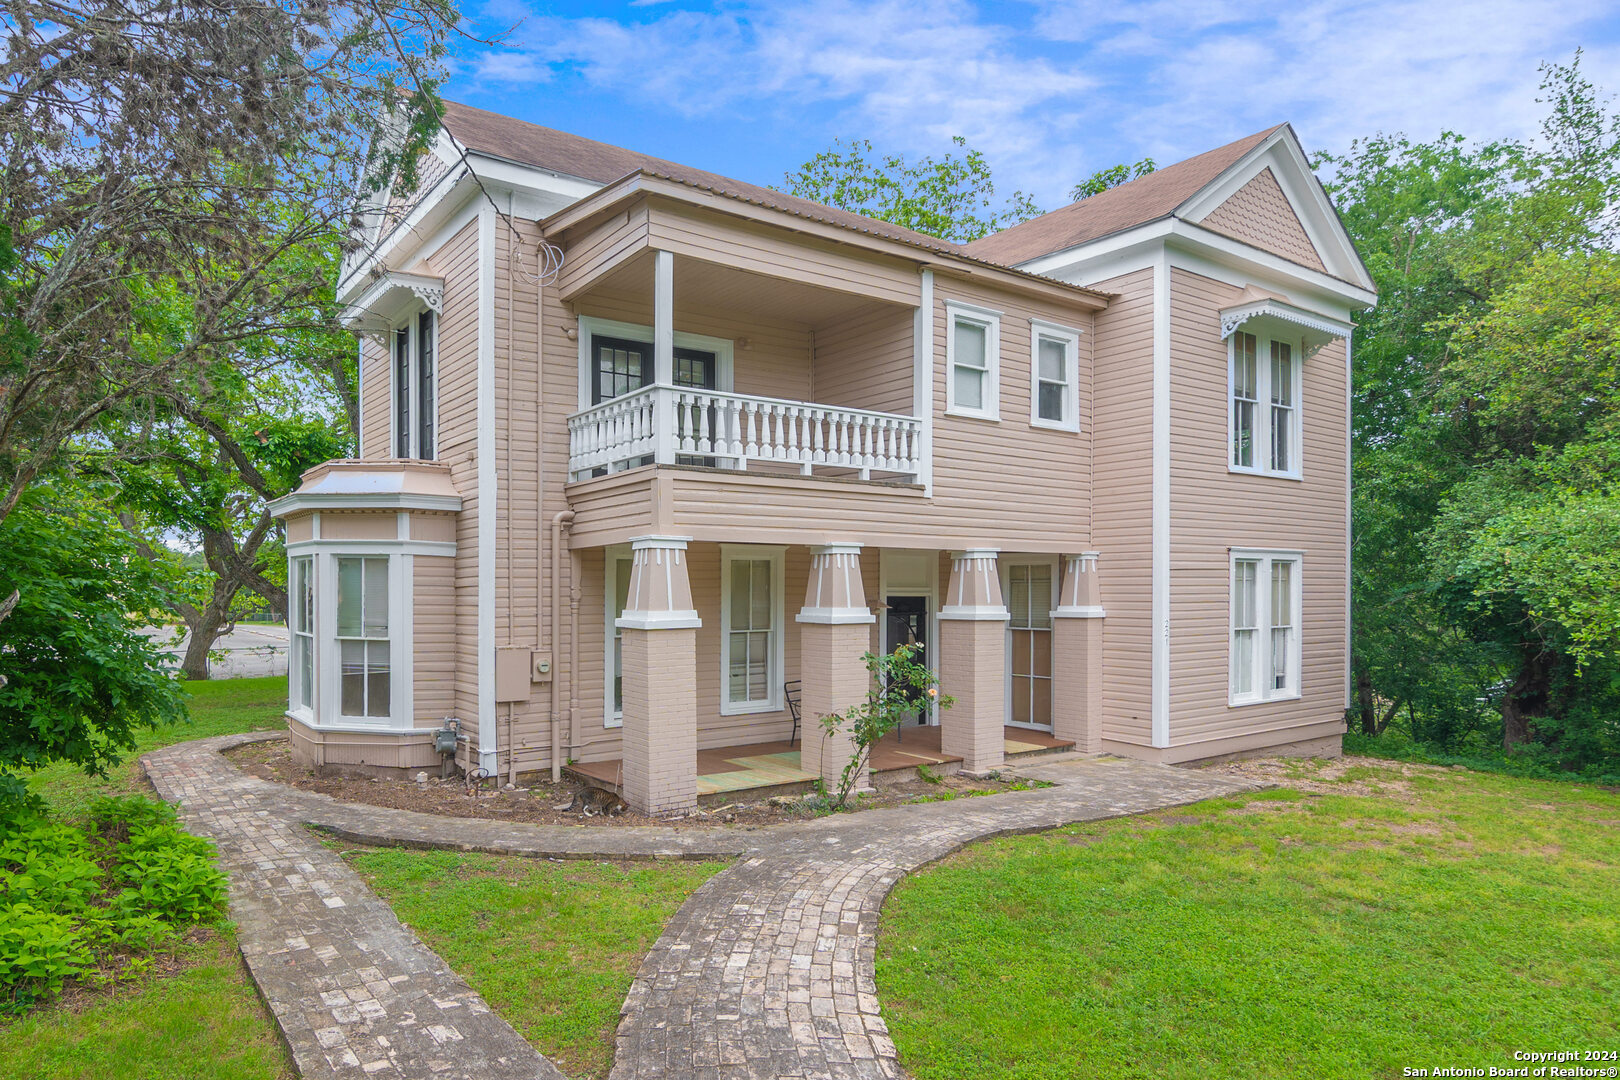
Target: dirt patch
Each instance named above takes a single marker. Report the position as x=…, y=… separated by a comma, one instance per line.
x=77, y=996
x=1348, y=775
x=537, y=801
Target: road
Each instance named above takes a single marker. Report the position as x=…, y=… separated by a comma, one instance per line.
x=249, y=650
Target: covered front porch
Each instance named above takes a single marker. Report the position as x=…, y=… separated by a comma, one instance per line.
x=775, y=768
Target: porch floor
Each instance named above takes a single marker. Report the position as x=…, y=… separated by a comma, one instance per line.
x=727, y=769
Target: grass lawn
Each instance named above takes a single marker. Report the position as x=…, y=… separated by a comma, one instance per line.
x=552, y=946
x=203, y=1022
x=1423, y=917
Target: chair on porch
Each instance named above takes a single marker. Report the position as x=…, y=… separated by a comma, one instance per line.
x=792, y=690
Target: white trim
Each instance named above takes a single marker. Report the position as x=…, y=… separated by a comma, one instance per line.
x=359, y=395
x=775, y=553
x=404, y=666
x=1234, y=317
x=1003, y=568
x=1262, y=409
x=724, y=350
x=612, y=717
x=442, y=548
x=931, y=592
x=834, y=616
x=1070, y=338
x=1160, y=596
x=298, y=502
x=378, y=307
x=1349, y=531
x=659, y=620
x=990, y=320
x=1265, y=558
x=922, y=379
x=488, y=491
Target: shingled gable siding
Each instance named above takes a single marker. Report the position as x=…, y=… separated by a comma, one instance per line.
x=1212, y=510
x=1122, y=527
x=1259, y=213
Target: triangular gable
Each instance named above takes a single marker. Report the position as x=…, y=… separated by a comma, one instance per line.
x=1258, y=213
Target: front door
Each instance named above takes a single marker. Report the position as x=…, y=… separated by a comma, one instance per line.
x=1029, y=601
x=621, y=366
x=906, y=623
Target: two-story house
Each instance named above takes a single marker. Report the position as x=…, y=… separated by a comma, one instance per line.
x=646, y=453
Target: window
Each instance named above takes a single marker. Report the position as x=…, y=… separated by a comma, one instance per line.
x=415, y=407
x=617, y=591
x=972, y=350
x=1264, y=371
x=362, y=637
x=1265, y=626
x=1029, y=602
x=302, y=617
x=1054, y=384
x=751, y=628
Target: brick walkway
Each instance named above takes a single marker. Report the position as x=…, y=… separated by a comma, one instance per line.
x=766, y=971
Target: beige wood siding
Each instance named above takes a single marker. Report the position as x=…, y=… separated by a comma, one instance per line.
x=1123, y=527
x=376, y=399
x=866, y=362
x=602, y=247
x=1213, y=510
x=433, y=634
x=718, y=238
x=1259, y=213
x=361, y=749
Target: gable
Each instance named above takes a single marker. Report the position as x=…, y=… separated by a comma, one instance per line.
x=1259, y=213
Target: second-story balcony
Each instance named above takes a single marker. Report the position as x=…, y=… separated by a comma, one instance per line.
x=677, y=425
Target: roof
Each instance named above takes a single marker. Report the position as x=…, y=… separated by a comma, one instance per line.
x=546, y=148
x=1137, y=202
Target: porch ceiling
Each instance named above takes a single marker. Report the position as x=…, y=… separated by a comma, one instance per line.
x=713, y=288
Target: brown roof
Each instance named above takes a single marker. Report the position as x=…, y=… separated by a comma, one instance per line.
x=547, y=148
x=1138, y=202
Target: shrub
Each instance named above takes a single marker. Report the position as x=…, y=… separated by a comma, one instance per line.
x=39, y=950
x=170, y=875
x=899, y=686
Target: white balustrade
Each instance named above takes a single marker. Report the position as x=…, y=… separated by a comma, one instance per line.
x=731, y=430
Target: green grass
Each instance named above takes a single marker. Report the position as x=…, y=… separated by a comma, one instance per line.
x=552, y=946
x=1450, y=921
x=205, y=1022
x=223, y=707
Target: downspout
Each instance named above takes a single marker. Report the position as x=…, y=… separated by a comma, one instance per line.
x=559, y=522
x=573, y=643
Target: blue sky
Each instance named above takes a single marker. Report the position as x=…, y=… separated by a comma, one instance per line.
x=1050, y=91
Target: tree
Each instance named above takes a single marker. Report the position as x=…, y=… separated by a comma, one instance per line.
x=1113, y=176
x=950, y=197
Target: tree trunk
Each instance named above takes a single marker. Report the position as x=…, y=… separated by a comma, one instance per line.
x=1527, y=698
x=1366, y=703
x=206, y=626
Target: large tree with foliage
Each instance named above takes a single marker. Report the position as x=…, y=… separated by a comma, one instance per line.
x=951, y=197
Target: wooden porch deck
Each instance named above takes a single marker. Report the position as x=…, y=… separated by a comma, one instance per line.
x=726, y=770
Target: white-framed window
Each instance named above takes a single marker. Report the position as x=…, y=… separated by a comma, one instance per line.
x=611, y=370
x=751, y=617
x=1265, y=624
x=972, y=361
x=1264, y=419
x=1030, y=587
x=616, y=593
x=1054, y=383
x=364, y=672
x=415, y=387
x=301, y=617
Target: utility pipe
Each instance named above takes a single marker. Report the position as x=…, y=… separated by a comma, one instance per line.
x=573, y=643
x=560, y=521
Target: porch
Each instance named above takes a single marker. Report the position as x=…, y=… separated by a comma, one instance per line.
x=773, y=768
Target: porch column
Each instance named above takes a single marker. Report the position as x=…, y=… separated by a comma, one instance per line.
x=973, y=661
x=664, y=356
x=834, y=635
x=1077, y=630
x=660, y=679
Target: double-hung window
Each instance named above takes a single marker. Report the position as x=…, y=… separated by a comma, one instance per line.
x=972, y=358
x=414, y=377
x=617, y=566
x=1054, y=399
x=362, y=637
x=751, y=613
x=1265, y=648
x=302, y=618
x=1265, y=426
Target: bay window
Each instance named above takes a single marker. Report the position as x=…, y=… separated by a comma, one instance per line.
x=1265, y=645
x=301, y=618
x=347, y=619
x=362, y=637
x=751, y=615
x=1264, y=376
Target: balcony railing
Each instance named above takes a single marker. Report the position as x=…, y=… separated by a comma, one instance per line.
x=680, y=425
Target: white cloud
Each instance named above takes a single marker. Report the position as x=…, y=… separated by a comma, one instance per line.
x=1059, y=89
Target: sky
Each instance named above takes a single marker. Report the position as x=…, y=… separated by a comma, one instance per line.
x=1049, y=91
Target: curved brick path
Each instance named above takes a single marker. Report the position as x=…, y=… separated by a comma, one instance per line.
x=766, y=971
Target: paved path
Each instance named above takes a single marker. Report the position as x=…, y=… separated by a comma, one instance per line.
x=766, y=972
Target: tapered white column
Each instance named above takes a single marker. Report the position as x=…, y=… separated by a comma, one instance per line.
x=659, y=639
x=834, y=636
x=973, y=661
x=1077, y=640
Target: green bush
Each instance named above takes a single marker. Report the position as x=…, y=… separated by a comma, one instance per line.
x=87, y=902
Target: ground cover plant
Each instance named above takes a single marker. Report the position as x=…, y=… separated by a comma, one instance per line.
x=552, y=946
x=1375, y=915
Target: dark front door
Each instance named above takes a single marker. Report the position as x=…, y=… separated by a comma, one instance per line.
x=906, y=623
x=621, y=366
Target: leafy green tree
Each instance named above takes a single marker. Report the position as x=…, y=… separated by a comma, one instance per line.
x=1111, y=177
x=950, y=197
